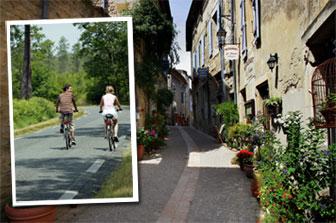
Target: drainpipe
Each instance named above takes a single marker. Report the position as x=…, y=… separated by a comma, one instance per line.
x=44, y=9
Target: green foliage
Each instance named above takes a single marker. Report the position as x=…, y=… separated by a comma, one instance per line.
x=149, y=138
x=32, y=111
x=239, y=135
x=293, y=176
x=154, y=33
x=119, y=183
x=62, y=55
x=273, y=101
x=228, y=113
x=157, y=122
x=164, y=98
x=104, y=46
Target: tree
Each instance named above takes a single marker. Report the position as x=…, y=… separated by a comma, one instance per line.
x=62, y=55
x=104, y=46
x=26, y=85
x=75, y=58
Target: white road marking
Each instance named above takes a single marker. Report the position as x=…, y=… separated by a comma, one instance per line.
x=69, y=194
x=155, y=161
x=95, y=166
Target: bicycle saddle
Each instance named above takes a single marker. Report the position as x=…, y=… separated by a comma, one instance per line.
x=109, y=116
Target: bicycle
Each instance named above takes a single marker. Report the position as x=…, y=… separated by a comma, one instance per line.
x=67, y=131
x=109, y=128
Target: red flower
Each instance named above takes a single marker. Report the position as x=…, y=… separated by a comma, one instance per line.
x=243, y=154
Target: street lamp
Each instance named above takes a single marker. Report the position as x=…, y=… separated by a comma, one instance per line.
x=221, y=33
x=272, y=61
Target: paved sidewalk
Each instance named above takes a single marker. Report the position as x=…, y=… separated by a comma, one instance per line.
x=203, y=188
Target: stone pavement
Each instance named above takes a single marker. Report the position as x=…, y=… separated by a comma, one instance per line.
x=193, y=182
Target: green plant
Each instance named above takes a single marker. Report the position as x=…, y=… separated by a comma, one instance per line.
x=330, y=101
x=32, y=111
x=293, y=176
x=228, y=113
x=273, y=101
x=164, y=98
x=239, y=135
x=149, y=138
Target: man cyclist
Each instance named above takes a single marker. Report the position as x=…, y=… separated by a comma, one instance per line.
x=108, y=104
x=66, y=105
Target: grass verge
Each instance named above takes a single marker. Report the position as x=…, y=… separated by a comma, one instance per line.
x=38, y=126
x=119, y=183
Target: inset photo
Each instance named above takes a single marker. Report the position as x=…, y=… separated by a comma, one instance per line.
x=72, y=111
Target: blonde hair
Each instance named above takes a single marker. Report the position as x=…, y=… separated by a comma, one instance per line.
x=109, y=89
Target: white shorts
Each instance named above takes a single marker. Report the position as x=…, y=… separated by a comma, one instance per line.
x=112, y=112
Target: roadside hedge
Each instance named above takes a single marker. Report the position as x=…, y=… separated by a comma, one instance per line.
x=32, y=111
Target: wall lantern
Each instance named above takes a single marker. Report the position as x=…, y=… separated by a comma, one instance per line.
x=272, y=61
x=221, y=33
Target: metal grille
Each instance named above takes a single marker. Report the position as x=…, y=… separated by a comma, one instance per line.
x=323, y=87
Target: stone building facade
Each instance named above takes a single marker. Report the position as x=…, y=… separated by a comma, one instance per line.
x=296, y=32
x=202, y=26
x=179, y=111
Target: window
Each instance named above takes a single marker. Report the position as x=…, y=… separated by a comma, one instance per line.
x=199, y=56
x=243, y=29
x=219, y=12
x=196, y=59
x=202, y=47
x=256, y=21
x=210, y=37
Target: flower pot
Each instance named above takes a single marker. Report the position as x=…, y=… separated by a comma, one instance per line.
x=141, y=151
x=31, y=214
x=248, y=168
x=255, y=188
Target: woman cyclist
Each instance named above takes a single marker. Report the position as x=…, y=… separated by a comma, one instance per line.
x=108, y=104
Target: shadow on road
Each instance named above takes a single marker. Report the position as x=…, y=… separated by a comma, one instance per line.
x=68, y=174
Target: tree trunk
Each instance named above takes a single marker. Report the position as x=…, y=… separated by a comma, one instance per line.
x=26, y=82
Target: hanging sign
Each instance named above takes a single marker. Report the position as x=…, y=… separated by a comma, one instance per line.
x=231, y=52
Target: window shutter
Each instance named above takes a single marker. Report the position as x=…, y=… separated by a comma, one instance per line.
x=210, y=37
x=256, y=22
x=243, y=28
x=219, y=12
x=203, y=47
x=197, y=59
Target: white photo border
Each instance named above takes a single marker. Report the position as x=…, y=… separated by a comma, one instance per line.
x=135, y=197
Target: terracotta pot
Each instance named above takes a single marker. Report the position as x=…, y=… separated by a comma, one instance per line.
x=255, y=188
x=31, y=214
x=248, y=168
x=141, y=151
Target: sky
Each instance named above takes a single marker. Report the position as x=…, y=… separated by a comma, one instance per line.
x=179, y=11
x=55, y=31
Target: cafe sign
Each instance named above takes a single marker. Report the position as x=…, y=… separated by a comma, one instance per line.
x=231, y=52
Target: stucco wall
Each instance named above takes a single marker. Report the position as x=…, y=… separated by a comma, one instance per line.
x=282, y=26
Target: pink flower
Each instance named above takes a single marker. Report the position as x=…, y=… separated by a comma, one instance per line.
x=152, y=133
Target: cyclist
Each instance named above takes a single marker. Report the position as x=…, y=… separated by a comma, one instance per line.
x=108, y=104
x=66, y=105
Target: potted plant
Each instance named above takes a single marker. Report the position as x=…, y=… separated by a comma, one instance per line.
x=328, y=109
x=245, y=159
x=273, y=105
x=141, y=137
x=30, y=214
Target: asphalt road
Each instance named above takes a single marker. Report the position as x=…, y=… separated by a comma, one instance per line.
x=45, y=170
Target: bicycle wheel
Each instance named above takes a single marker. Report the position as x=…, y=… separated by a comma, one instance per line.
x=67, y=139
x=109, y=136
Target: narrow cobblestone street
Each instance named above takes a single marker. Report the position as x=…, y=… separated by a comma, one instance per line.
x=193, y=181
